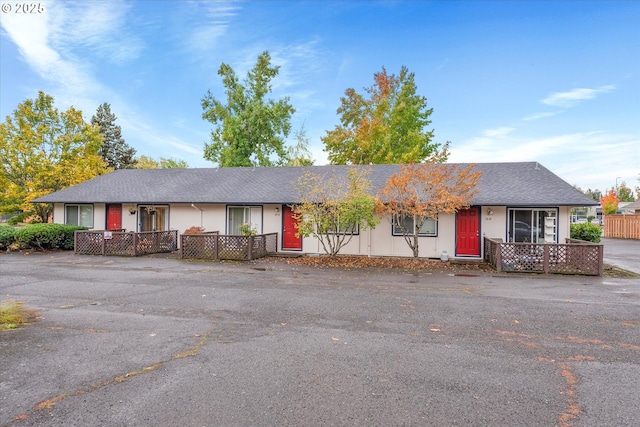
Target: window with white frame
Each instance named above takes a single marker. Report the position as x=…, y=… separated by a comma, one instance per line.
x=79, y=215
x=532, y=225
x=340, y=228
x=153, y=218
x=405, y=224
x=244, y=215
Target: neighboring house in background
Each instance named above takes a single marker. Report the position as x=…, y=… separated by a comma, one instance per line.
x=632, y=208
x=522, y=202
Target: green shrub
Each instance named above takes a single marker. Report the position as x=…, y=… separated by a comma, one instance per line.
x=7, y=236
x=69, y=231
x=15, y=220
x=46, y=236
x=586, y=231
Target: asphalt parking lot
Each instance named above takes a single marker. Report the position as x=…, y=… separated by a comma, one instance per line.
x=623, y=253
x=166, y=342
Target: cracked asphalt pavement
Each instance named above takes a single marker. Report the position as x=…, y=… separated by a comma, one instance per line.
x=167, y=342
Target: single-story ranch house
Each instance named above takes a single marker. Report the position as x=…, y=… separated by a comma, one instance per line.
x=516, y=202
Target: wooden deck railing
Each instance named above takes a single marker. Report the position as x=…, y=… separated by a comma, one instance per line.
x=100, y=242
x=227, y=247
x=572, y=257
x=622, y=226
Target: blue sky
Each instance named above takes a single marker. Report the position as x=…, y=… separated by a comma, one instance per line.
x=554, y=82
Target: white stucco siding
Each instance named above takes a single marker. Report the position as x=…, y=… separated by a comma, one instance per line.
x=129, y=220
x=272, y=220
x=375, y=242
x=58, y=213
x=564, y=226
x=494, y=225
x=210, y=217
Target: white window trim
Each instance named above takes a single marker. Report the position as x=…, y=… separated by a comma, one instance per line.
x=555, y=210
x=79, y=205
x=250, y=208
x=398, y=232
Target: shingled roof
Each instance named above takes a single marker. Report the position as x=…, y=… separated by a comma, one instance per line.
x=502, y=184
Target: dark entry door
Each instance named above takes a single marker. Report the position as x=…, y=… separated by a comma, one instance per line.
x=289, y=229
x=468, y=232
x=114, y=217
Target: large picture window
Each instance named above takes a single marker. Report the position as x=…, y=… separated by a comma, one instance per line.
x=532, y=225
x=79, y=215
x=239, y=215
x=404, y=225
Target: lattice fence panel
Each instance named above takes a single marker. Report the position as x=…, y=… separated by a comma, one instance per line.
x=120, y=244
x=153, y=242
x=199, y=246
x=233, y=247
x=575, y=259
x=88, y=242
x=522, y=257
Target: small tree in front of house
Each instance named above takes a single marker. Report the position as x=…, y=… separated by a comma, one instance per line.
x=420, y=192
x=333, y=209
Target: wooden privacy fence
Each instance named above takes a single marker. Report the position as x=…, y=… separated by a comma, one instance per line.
x=91, y=242
x=622, y=226
x=573, y=257
x=227, y=247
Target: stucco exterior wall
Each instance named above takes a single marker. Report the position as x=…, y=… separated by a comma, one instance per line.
x=493, y=222
x=58, y=213
x=375, y=242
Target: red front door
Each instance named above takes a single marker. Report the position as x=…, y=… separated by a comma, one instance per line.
x=114, y=217
x=468, y=232
x=289, y=229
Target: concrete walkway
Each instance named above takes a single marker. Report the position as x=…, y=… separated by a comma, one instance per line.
x=623, y=253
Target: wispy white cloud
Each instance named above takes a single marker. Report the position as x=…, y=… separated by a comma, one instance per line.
x=538, y=116
x=34, y=37
x=497, y=132
x=579, y=158
x=65, y=45
x=97, y=28
x=61, y=44
x=152, y=138
x=209, y=22
x=574, y=96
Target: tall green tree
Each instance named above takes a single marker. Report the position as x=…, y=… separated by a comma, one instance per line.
x=594, y=194
x=388, y=126
x=624, y=193
x=249, y=129
x=117, y=153
x=43, y=150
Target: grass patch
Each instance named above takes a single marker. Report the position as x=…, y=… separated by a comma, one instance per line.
x=613, y=271
x=14, y=314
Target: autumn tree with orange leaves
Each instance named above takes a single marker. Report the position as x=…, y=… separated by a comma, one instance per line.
x=424, y=191
x=388, y=127
x=609, y=202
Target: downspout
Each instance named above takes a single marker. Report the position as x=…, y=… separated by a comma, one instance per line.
x=201, y=213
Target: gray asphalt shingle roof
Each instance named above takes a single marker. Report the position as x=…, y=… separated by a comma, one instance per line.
x=510, y=184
